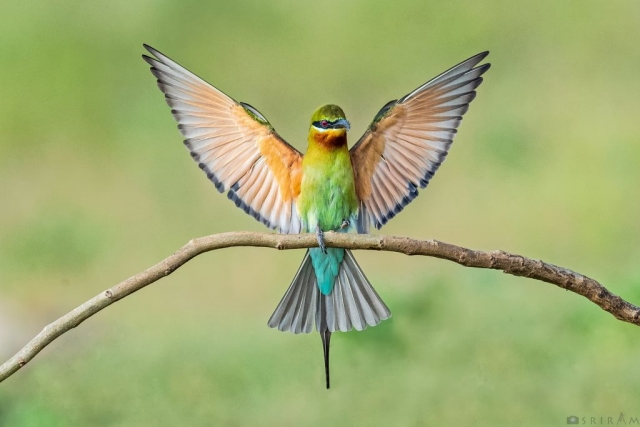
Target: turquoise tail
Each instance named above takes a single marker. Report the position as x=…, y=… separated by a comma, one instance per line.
x=326, y=267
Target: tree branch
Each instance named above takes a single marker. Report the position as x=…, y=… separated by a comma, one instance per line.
x=516, y=265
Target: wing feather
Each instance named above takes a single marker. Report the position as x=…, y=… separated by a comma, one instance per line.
x=233, y=144
x=409, y=139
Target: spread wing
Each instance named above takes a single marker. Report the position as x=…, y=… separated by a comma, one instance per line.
x=234, y=145
x=409, y=139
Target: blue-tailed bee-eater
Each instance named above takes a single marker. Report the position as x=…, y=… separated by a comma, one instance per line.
x=330, y=187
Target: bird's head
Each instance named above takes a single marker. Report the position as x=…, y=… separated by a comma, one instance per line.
x=329, y=127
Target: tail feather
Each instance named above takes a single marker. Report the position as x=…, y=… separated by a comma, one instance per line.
x=352, y=304
x=292, y=313
x=373, y=309
x=326, y=342
x=302, y=321
x=294, y=303
x=351, y=299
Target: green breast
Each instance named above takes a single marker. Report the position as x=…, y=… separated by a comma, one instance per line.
x=327, y=193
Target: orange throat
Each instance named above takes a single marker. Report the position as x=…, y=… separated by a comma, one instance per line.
x=331, y=139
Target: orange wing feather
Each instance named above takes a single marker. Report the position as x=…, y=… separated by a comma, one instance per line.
x=409, y=139
x=234, y=145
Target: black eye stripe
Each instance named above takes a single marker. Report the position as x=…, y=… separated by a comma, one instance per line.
x=318, y=124
x=331, y=124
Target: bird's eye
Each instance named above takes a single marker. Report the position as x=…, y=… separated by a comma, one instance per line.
x=324, y=124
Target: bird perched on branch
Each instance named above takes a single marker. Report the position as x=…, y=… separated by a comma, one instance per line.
x=330, y=187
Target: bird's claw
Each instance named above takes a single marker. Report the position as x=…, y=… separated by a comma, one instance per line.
x=345, y=224
x=320, y=237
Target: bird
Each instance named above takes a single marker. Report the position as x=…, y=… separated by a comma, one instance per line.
x=330, y=188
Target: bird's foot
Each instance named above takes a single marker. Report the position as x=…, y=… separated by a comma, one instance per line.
x=320, y=237
x=345, y=224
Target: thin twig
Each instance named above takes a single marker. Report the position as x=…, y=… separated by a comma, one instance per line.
x=516, y=265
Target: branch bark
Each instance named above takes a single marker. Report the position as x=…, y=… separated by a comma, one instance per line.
x=516, y=265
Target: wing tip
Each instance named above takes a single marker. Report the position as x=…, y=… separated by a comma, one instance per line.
x=483, y=68
x=151, y=50
x=480, y=55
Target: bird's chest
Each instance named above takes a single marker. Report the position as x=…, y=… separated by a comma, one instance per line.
x=327, y=192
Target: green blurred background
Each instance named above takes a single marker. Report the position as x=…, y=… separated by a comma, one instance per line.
x=96, y=186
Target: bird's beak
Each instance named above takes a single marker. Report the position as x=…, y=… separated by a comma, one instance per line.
x=342, y=124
